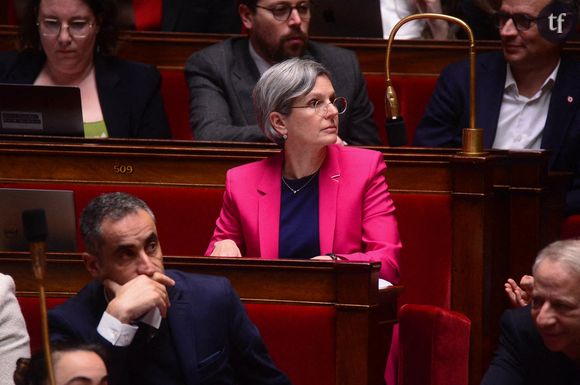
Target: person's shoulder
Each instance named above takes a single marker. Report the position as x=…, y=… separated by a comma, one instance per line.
x=6, y=284
x=328, y=49
x=254, y=168
x=484, y=60
x=201, y=284
x=127, y=67
x=328, y=53
x=221, y=51
x=519, y=321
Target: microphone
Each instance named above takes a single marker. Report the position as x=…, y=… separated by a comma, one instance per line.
x=35, y=232
x=394, y=123
x=472, y=137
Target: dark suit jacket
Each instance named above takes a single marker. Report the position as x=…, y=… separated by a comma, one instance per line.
x=221, y=79
x=129, y=92
x=523, y=359
x=214, y=340
x=448, y=113
x=209, y=16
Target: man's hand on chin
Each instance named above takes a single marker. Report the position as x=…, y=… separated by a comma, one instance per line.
x=138, y=296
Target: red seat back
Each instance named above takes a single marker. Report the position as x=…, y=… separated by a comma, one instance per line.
x=176, y=101
x=434, y=346
x=185, y=216
x=425, y=227
x=300, y=339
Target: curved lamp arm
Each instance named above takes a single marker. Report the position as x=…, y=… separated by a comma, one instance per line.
x=472, y=137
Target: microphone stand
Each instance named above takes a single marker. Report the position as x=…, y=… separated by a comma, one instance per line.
x=472, y=137
x=35, y=231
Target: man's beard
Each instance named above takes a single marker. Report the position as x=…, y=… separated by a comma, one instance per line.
x=283, y=51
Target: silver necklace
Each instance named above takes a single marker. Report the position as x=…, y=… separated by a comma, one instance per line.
x=295, y=191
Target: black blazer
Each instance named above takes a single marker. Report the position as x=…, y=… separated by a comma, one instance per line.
x=448, y=113
x=212, y=338
x=523, y=359
x=129, y=92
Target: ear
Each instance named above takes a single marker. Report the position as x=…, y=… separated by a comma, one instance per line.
x=247, y=16
x=278, y=122
x=92, y=265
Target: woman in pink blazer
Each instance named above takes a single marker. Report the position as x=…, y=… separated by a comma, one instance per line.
x=316, y=199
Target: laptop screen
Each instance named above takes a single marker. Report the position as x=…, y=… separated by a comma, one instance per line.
x=40, y=110
x=59, y=208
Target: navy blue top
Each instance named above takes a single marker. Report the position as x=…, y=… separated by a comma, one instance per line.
x=299, y=238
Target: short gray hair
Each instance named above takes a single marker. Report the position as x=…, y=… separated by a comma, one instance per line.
x=279, y=86
x=565, y=251
x=113, y=206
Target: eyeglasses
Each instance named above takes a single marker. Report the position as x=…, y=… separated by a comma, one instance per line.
x=321, y=108
x=522, y=21
x=77, y=28
x=282, y=12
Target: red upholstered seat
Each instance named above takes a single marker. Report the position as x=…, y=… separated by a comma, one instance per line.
x=176, y=101
x=413, y=93
x=434, y=346
x=30, y=307
x=571, y=227
x=300, y=340
x=185, y=216
x=425, y=228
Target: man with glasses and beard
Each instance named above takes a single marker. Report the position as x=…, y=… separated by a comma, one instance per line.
x=527, y=95
x=221, y=77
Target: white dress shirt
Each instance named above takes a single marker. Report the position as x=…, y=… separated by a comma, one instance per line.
x=521, y=119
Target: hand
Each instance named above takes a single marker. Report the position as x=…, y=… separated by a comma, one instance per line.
x=138, y=296
x=521, y=295
x=226, y=248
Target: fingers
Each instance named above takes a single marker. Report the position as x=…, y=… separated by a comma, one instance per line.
x=527, y=283
x=138, y=296
x=163, y=279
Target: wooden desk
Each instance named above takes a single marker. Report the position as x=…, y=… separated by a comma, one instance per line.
x=364, y=316
x=505, y=206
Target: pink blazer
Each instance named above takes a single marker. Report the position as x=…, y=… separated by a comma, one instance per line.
x=356, y=212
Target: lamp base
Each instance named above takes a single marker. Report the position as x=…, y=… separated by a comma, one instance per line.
x=473, y=141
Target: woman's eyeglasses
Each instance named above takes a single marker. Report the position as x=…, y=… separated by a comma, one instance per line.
x=77, y=28
x=321, y=108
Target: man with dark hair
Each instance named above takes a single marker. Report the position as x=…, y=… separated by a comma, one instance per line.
x=540, y=344
x=527, y=95
x=159, y=327
x=221, y=77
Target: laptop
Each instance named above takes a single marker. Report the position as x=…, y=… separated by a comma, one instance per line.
x=40, y=110
x=59, y=208
x=346, y=18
